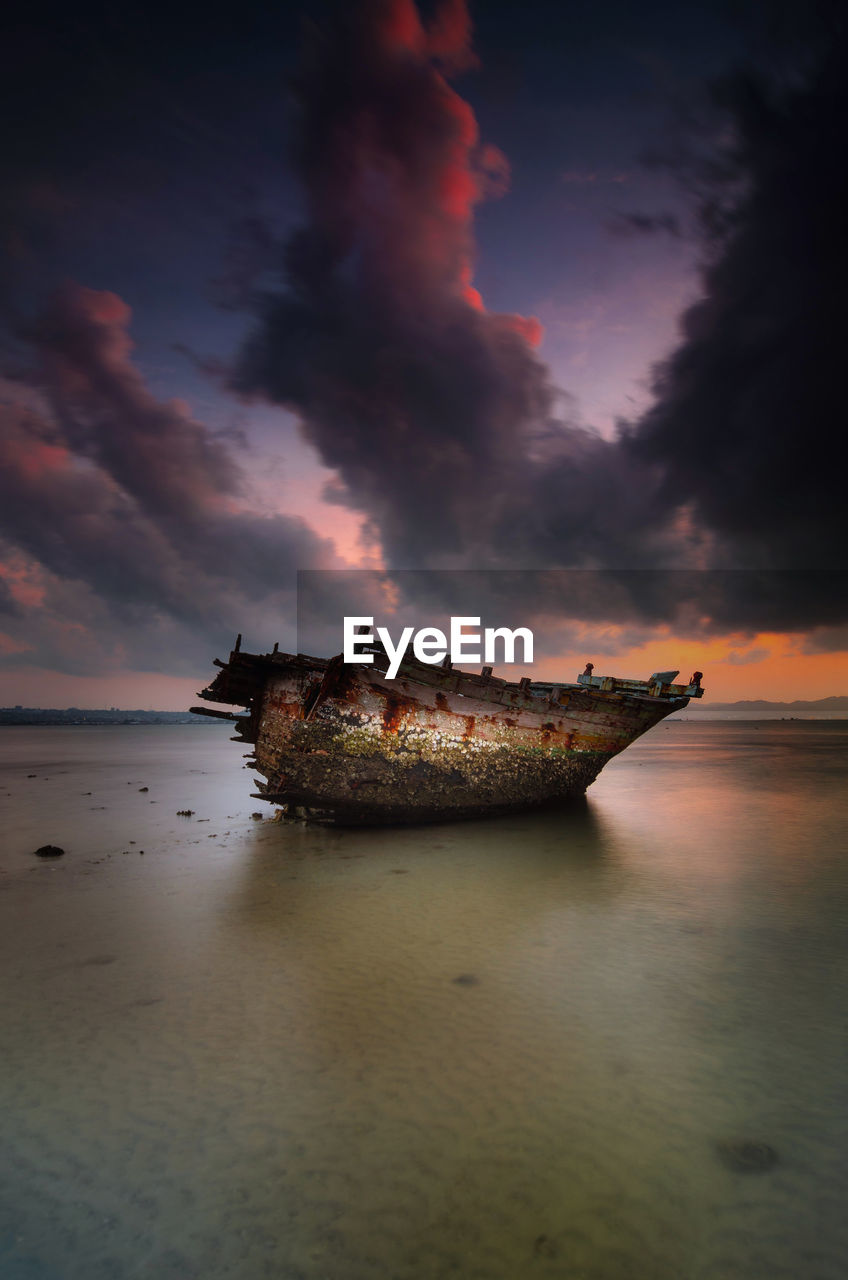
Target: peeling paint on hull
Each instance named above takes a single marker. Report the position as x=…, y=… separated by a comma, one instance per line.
x=345, y=744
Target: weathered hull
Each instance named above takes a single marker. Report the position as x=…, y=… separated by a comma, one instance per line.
x=346, y=744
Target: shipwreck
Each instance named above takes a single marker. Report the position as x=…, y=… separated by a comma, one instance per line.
x=343, y=743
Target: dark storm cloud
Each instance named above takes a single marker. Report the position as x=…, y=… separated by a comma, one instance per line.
x=130, y=497
x=155, y=451
x=749, y=421
x=440, y=418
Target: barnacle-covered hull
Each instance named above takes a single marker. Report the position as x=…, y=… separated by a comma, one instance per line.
x=344, y=743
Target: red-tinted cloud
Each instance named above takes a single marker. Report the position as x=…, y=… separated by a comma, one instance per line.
x=154, y=450
x=437, y=415
x=131, y=500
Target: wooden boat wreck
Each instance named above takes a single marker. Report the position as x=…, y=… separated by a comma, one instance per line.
x=341, y=742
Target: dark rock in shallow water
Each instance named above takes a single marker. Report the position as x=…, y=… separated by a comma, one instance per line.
x=50, y=851
x=747, y=1157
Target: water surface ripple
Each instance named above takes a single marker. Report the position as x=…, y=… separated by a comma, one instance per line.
x=497, y=1050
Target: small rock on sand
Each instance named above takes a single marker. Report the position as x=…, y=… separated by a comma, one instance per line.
x=49, y=851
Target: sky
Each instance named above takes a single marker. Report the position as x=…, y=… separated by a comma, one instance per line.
x=530, y=289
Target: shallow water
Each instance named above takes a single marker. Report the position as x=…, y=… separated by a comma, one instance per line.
x=490, y=1050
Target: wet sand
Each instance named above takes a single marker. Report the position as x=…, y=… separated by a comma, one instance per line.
x=491, y=1050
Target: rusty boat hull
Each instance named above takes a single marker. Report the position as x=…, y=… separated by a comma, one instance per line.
x=342, y=743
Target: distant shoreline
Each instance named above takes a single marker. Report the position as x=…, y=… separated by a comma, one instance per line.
x=33, y=716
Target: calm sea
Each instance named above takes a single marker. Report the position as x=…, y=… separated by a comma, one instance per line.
x=506, y=1049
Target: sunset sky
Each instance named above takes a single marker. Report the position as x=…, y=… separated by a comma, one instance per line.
x=528, y=287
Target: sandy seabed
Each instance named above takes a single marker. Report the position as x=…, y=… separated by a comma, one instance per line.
x=494, y=1050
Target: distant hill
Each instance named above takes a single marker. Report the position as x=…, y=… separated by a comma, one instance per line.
x=754, y=707
x=110, y=715
x=759, y=704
